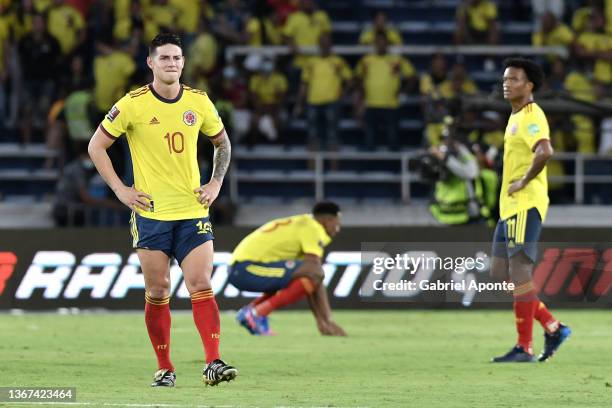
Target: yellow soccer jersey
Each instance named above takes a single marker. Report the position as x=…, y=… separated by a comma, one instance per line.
x=268, y=88
x=562, y=35
x=324, y=76
x=283, y=239
x=64, y=23
x=478, y=16
x=163, y=135
x=525, y=129
x=382, y=75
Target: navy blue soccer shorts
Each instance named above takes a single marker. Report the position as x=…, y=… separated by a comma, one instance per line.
x=175, y=238
x=262, y=277
x=520, y=232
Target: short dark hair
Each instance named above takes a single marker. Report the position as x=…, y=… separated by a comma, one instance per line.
x=163, y=39
x=326, y=208
x=533, y=71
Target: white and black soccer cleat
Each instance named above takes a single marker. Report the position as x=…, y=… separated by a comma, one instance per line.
x=164, y=378
x=217, y=371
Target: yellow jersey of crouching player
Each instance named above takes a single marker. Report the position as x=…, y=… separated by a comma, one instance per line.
x=283, y=239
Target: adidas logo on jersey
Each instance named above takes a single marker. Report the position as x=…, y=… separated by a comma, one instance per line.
x=154, y=121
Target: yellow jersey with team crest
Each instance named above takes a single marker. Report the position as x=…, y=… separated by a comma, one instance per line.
x=525, y=129
x=283, y=239
x=163, y=135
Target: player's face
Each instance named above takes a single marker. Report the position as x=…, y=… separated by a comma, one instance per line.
x=332, y=225
x=167, y=63
x=516, y=84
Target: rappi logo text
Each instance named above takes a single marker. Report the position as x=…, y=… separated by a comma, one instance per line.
x=57, y=274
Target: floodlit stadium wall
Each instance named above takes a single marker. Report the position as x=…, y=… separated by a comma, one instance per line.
x=97, y=268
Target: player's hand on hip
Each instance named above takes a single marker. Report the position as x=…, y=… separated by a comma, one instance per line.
x=133, y=198
x=208, y=193
x=516, y=185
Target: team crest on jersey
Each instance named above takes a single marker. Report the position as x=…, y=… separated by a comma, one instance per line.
x=533, y=129
x=112, y=114
x=290, y=264
x=189, y=118
x=514, y=129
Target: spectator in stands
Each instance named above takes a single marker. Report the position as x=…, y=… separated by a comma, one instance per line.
x=555, y=78
x=159, y=16
x=267, y=88
x=303, y=29
x=263, y=26
x=40, y=58
x=230, y=22
x=201, y=58
x=283, y=9
x=437, y=88
x=380, y=24
x=125, y=13
x=324, y=78
x=21, y=21
x=595, y=46
x=580, y=18
x=552, y=33
x=67, y=25
x=430, y=81
x=234, y=89
x=113, y=67
x=377, y=101
x=73, y=112
x=459, y=84
x=476, y=23
x=540, y=7
x=189, y=15
x=77, y=195
x=579, y=83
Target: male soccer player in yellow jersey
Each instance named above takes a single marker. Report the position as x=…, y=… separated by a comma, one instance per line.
x=283, y=259
x=162, y=121
x=523, y=203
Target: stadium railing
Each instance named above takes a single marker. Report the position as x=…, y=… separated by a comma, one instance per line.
x=319, y=177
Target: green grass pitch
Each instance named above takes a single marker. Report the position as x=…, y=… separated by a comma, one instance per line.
x=390, y=359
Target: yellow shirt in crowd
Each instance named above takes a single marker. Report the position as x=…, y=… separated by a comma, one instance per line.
x=324, y=77
x=382, y=76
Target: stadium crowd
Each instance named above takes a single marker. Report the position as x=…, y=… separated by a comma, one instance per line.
x=63, y=63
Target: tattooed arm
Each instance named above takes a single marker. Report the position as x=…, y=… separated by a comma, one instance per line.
x=223, y=150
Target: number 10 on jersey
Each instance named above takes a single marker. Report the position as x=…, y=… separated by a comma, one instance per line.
x=176, y=142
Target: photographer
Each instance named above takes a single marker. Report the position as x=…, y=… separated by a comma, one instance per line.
x=459, y=194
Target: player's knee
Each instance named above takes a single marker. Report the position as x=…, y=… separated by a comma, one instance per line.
x=158, y=292
x=199, y=284
x=520, y=268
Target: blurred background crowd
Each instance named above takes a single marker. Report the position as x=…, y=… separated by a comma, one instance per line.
x=63, y=63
